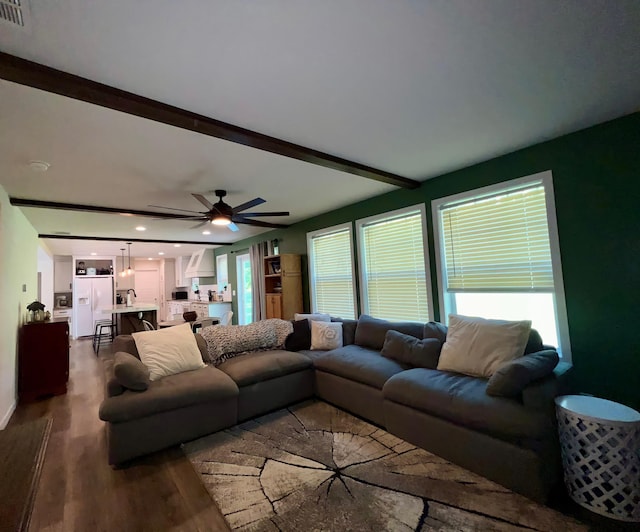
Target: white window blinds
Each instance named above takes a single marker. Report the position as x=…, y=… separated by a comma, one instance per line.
x=332, y=273
x=393, y=268
x=498, y=244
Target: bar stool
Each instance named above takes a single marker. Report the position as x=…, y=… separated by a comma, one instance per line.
x=105, y=331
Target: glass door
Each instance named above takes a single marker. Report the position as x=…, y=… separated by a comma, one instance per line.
x=245, y=299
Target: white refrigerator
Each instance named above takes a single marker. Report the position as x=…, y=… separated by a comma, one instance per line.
x=91, y=295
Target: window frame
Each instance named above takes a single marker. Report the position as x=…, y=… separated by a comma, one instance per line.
x=397, y=213
x=545, y=179
x=327, y=231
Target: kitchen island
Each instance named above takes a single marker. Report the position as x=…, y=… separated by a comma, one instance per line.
x=130, y=319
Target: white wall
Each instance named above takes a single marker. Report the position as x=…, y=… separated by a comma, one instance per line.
x=18, y=267
x=45, y=269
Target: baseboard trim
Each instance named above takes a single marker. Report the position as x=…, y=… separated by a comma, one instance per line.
x=7, y=416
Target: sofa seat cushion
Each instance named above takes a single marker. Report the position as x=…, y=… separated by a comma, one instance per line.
x=359, y=364
x=316, y=353
x=463, y=400
x=203, y=385
x=260, y=366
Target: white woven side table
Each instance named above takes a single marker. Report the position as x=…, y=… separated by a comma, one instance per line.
x=600, y=445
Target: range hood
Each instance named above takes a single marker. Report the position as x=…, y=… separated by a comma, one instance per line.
x=201, y=264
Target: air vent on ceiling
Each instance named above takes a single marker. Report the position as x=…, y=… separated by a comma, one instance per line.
x=11, y=11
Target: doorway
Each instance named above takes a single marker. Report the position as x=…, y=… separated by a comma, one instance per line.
x=245, y=298
x=148, y=286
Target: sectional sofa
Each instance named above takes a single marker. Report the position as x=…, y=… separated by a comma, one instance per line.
x=511, y=440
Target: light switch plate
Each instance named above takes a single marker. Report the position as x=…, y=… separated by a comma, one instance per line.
x=24, y=287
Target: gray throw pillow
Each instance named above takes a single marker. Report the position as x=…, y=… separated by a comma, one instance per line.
x=514, y=376
x=130, y=372
x=409, y=350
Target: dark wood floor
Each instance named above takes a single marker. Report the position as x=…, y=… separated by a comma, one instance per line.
x=79, y=491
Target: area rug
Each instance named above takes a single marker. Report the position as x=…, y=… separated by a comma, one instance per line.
x=22, y=450
x=315, y=467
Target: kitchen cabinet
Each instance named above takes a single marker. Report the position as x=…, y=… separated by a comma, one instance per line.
x=62, y=274
x=43, y=359
x=181, y=270
x=177, y=308
x=283, y=286
x=93, y=266
x=200, y=308
x=273, y=306
x=209, y=309
x=201, y=264
x=63, y=314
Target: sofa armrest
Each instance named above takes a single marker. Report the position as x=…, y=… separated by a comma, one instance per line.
x=539, y=395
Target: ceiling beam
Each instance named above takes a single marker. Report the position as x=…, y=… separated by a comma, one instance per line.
x=80, y=207
x=42, y=77
x=148, y=240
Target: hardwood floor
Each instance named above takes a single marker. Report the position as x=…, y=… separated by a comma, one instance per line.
x=78, y=491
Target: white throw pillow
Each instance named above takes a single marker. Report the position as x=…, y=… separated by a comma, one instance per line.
x=168, y=351
x=478, y=347
x=326, y=335
x=312, y=317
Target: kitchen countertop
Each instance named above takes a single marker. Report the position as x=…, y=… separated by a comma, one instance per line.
x=137, y=307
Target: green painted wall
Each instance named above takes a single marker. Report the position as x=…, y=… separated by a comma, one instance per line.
x=596, y=174
x=18, y=266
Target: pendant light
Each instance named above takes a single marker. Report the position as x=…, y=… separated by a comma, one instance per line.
x=122, y=272
x=129, y=270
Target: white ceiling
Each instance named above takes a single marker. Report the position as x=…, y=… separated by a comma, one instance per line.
x=412, y=87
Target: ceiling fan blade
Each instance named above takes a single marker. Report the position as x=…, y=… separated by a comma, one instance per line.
x=248, y=205
x=200, y=225
x=203, y=200
x=189, y=218
x=174, y=209
x=255, y=214
x=233, y=227
x=249, y=221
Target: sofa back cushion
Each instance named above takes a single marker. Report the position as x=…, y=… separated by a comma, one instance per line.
x=348, y=330
x=411, y=351
x=433, y=329
x=371, y=332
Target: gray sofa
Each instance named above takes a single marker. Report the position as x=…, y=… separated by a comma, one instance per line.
x=511, y=440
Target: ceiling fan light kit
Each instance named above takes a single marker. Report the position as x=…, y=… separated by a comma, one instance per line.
x=221, y=213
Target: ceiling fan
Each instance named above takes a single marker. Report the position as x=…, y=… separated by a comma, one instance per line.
x=220, y=213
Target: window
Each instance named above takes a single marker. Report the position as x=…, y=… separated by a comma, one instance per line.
x=331, y=271
x=498, y=256
x=393, y=265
